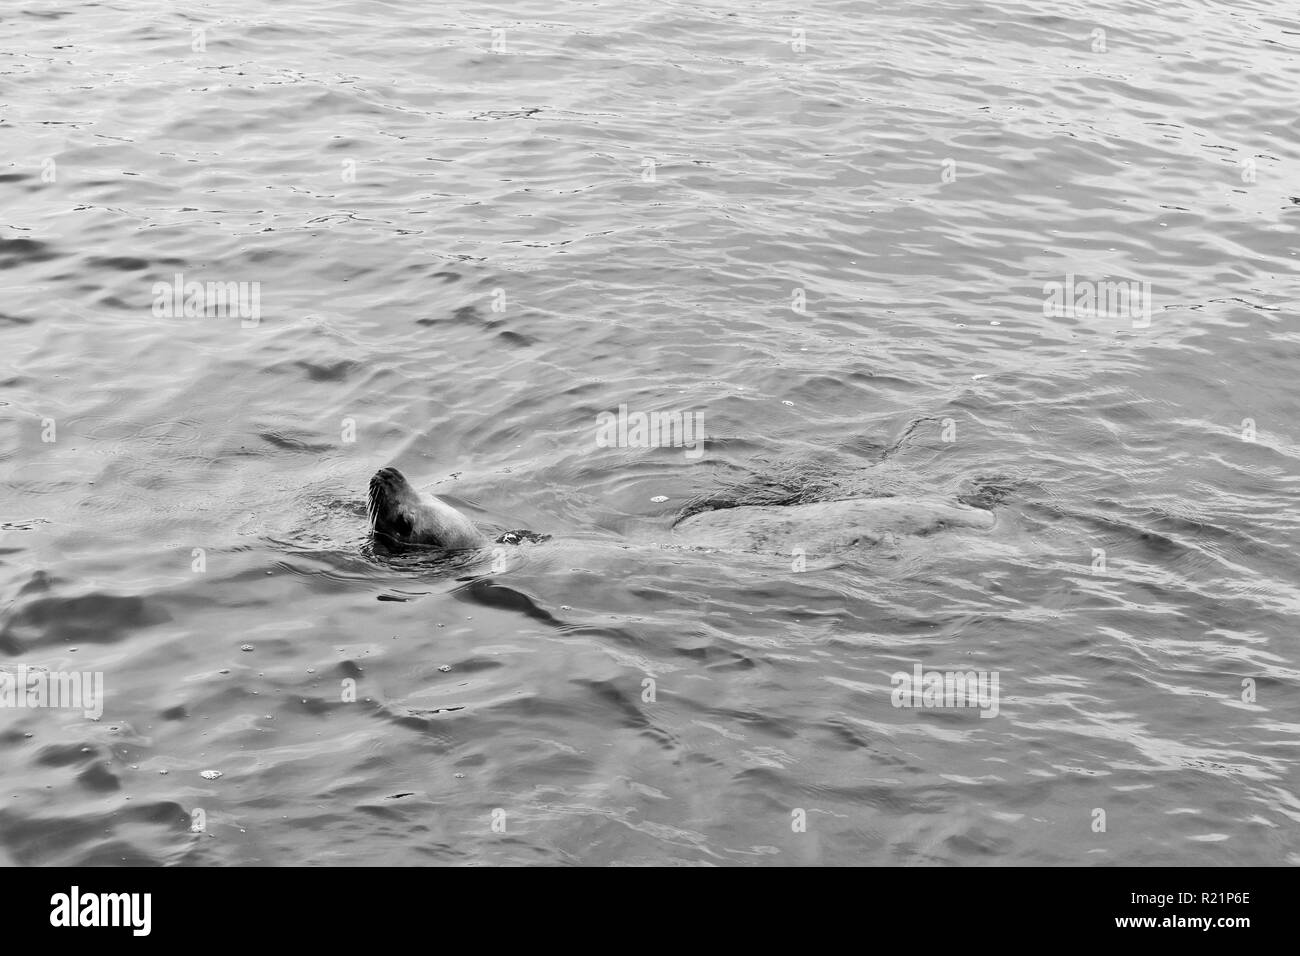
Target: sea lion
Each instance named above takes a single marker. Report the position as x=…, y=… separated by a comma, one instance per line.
x=401, y=515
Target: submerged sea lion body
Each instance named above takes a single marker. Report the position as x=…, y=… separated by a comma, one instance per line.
x=825, y=525
x=401, y=515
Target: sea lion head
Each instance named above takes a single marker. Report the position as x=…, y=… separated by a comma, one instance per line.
x=389, y=505
x=401, y=515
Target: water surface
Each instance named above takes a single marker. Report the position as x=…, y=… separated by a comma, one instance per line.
x=833, y=246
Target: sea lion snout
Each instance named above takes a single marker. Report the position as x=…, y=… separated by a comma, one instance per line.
x=390, y=479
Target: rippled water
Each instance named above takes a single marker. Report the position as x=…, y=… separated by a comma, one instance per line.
x=464, y=255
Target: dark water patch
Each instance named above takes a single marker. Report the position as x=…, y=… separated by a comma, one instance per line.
x=99, y=778
x=66, y=755
x=846, y=737
x=432, y=726
x=486, y=592
x=514, y=338
x=619, y=699
x=349, y=669
x=118, y=263
x=92, y=839
x=333, y=372
x=713, y=656
x=19, y=252
x=461, y=315
x=297, y=443
x=95, y=618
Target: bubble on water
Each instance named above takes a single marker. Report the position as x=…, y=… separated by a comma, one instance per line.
x=659, y=498
x=444, y=668
x=245, y=647
x=210, y=774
